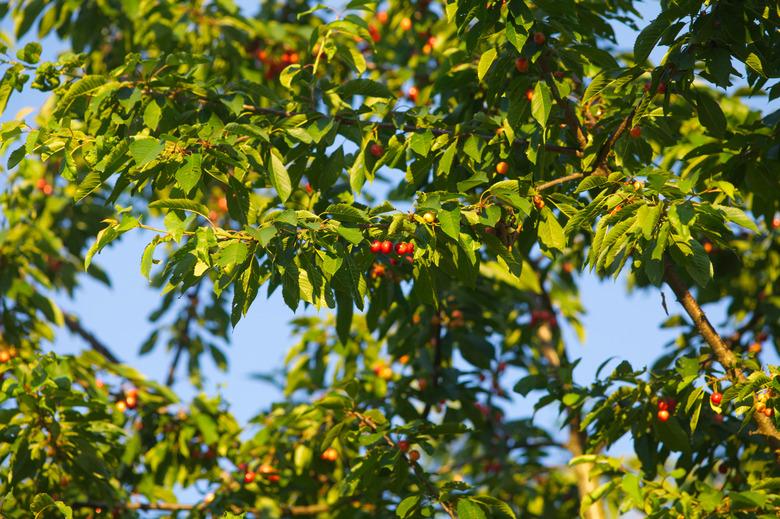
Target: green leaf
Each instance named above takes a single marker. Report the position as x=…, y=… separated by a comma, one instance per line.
x=754, y=62
x=188, y=175
x=347, y=213
x=148, y=257
x=407, y=505
x=450, y=222
x=467, y=509
x=517, y=39
x=647, y=218
x=82, y=87
x=31, y=52
x=152, y=115
x=738, y=216
x=698, y=265
x=485, y=61
x=591, y=182
x=541, y=104
x=145, y=150
x=233, y=254
x=364, y=87
x=280, y=179
x=711, y=115
x=181, y=204
x=496, y=504
x=550, y=231
x=420, y=142
x=596, y=86
x=649, y=37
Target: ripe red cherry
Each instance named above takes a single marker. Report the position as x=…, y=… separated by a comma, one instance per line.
x=663, y=405
x=414, y=455
x=661, y=88
x=663, y=415
x=401, y=248
x=412, y=93
x=776, y=222
x=387, y=247
x=249, y=477
x=330, y=454
x=539, y=38
x=521, y=64
x=377, y=150
x=406, y=24
x=529, y=94
x=376, y=246
x=723, y=468
x=403, y=446
x=635, y=132
x=716, y=398
x=410, y=248
x=502, y=168
x=41, y=183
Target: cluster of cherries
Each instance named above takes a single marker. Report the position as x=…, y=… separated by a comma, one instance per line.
x=44, y=186
x=6, y=354
x=666, y=408
x=403, y=249
x=129, y=400
x=762, y=399
x=539, y=317
x=265, y=470
x=273, y=65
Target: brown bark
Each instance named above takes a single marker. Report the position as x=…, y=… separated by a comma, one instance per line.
x=722, y=352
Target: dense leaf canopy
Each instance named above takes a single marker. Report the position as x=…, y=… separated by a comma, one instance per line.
x=433, y=175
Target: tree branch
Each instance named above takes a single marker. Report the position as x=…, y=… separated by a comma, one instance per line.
x=725, y=356
x=74, y=325
x=182, y=507
x=578, y=438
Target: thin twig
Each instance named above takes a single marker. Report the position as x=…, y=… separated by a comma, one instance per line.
x=73, y=324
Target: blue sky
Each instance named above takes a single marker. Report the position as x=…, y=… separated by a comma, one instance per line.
x=617, y=324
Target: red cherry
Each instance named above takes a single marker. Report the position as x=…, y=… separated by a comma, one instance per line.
x=661, y=88
x=776, y=222
x=403, y=445
x=663, y=405
x=521, y=64
x=401, y=248
x=663, y=415
x=716, y=398
x=412, y=93
x=376, y=246
x=387, y=247
x=502, y=168
x=410, y=248
x=377, y=150
x=382, y=17
x=723, y=468
x=406, y=25
x=414, y=455
x=635, y=132
x=249, y=477
x=529, y=94
x=539, y=38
